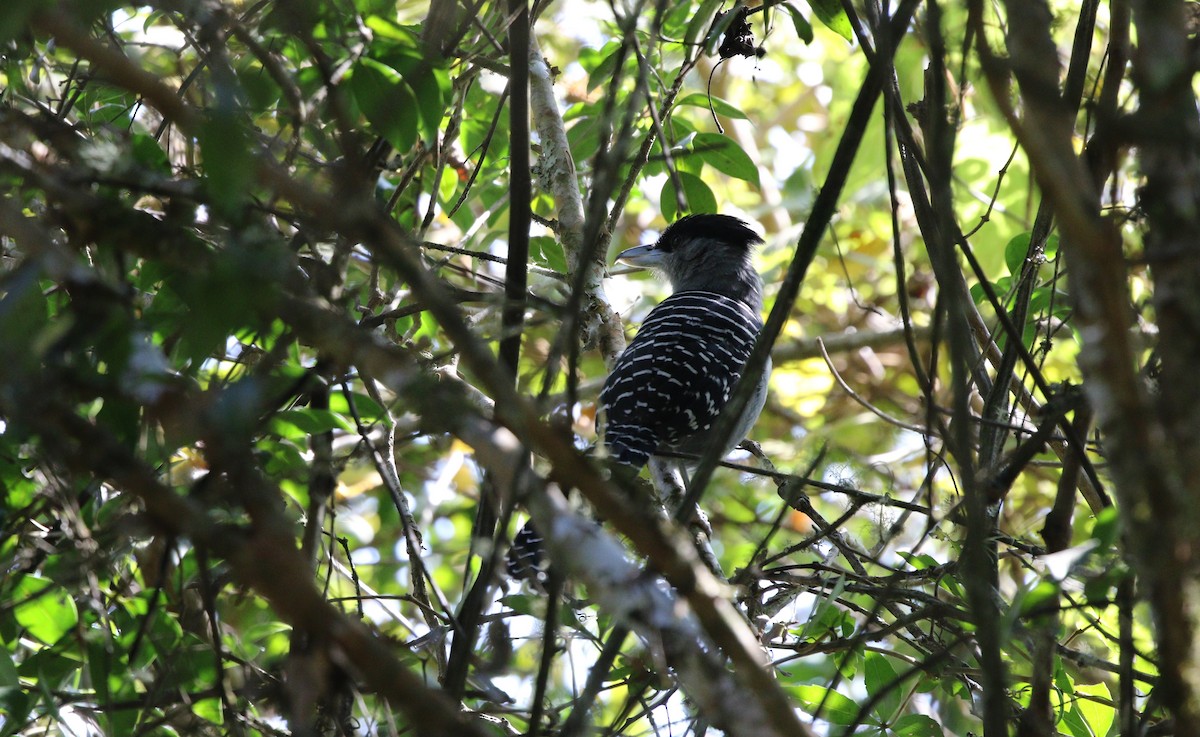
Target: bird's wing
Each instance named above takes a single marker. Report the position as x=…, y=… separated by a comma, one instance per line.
x=677, y=373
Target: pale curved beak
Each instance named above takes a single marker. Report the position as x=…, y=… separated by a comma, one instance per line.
x=647, y=257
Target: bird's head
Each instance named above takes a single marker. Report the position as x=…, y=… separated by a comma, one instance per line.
x=712, y=253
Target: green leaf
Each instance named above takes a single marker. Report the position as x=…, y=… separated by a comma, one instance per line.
x=1076, y=725
x=261, y=90
x=951, y=584
x=803, y=27
x=17, y=489
x=523, y=604
x=120, y=417
x=830, y=13
x=685, y=158
x=369, y=411
x=15, y=705
x=548, y=252
x=15, y=16
x=1051, y=248
x=697, y=195
x=432, y=90
x=591, y=59
x=1062, y=679
x=584, y=138
x=228, y=165
x=387, y=102
x=999, y=287
x=716, y=31
x=430, y=86
x=917, y=725
x=1098, y=588
x=448, y=186
x=725, y=156
x=1099, y=716
x=44, y=609
x=1047, y=298
x=1106, y=527
x=605, y=69
x=209, y=710
x=1045, y=594
x=148, y=153
x=8, y=670
x=919, y=562
x=879, y=674
x=836, y=707
x=314, y=421
x=1015, y=252
x=827, y=619
x=721, y=107
x=701, y=20
x=23, y=317
x=230, y=292
x=386, y=29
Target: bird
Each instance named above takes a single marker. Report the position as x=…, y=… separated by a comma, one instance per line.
x=668, y=387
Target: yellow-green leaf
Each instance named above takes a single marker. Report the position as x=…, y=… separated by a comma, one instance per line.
x=830, y=13
x=44, y=609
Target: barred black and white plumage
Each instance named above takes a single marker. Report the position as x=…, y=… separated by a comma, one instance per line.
x=668, y=387
x=678, y=373
x=526, y=561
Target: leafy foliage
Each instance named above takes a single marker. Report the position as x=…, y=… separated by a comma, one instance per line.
x=256, y=457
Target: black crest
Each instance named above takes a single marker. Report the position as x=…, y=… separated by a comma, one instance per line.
x=724, y=228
